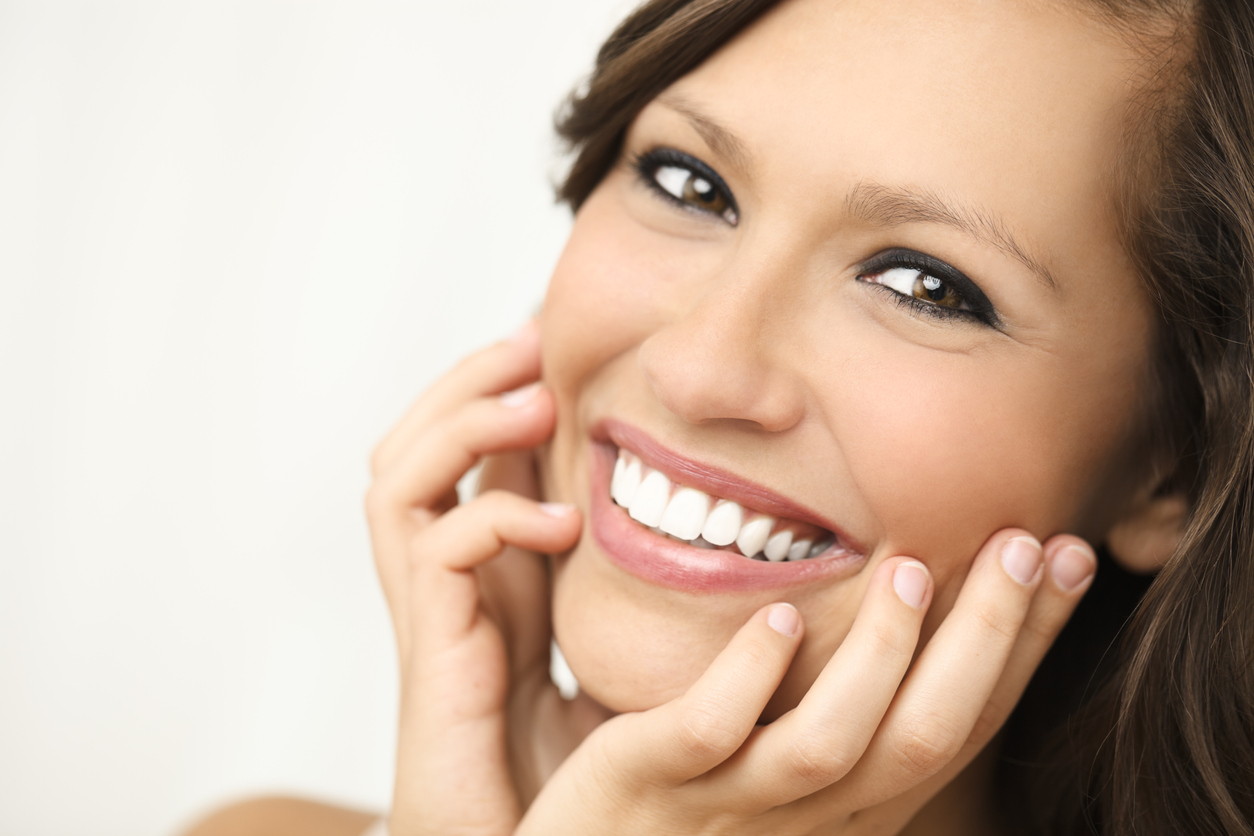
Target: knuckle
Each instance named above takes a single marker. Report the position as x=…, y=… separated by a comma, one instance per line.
x=1000, y=625
x=817, y=763
x=758, y=654
x=888, y=641
x=924, y=744
x=707, y=732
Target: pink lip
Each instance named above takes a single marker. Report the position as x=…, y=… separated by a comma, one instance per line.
x=666, y=562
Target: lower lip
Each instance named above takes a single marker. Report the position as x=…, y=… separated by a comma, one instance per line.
x=660, y=560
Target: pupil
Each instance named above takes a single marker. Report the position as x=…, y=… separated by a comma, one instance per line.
x=934, y=287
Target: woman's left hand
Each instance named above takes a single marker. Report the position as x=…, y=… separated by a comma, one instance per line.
x=874, y=739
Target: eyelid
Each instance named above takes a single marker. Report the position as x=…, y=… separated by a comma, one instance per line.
x=981, y=307
x=645, y=163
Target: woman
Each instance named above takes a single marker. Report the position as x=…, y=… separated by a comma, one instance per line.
x=864, y=303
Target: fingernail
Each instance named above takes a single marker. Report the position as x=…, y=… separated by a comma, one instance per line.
x=526, y=332
x=784, y=619
x=556, y=509
x=910, y=583
x=518, y=397
x=1021, y=558
x=1073, y=566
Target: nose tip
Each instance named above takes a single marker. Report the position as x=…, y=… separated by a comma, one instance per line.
x=707, y=367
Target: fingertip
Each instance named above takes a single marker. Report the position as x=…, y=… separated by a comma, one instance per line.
x=784, y=619
x=1021, y=557
x=1072, y=565
x=528, y=334
x=521, y=396
x=912, y=582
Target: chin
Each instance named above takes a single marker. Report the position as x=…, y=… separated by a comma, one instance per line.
x=641, y=612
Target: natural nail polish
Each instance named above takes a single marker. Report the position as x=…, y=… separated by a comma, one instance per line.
x=1021, y=558
x=784, y=619
x=910, y=583
x=1072, y=566
x=518, y=397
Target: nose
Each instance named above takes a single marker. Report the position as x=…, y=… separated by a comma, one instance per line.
x=728, y=357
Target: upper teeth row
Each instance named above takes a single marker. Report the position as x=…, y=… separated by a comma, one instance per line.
x=692, y=515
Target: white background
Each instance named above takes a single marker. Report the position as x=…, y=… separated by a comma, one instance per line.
x=236, y=240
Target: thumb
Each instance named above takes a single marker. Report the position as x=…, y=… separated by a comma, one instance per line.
x=696, y=732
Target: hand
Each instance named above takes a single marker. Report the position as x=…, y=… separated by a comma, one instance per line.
x=467, y=592
x=865, y=749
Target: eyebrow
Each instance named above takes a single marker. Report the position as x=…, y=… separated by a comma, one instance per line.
x=723, y=141
x=876, y=202
x=892, y=207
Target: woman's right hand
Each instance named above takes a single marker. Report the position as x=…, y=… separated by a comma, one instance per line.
x=465, y=646
x=876, y=737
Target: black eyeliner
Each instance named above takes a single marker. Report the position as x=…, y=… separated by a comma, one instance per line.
x=650, y=161
x=981, y=308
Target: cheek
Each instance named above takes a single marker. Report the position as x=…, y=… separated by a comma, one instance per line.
x=946, y=452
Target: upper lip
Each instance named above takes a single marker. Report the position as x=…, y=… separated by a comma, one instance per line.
x=714, y=480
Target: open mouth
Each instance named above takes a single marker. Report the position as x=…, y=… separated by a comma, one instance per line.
x=705, y=521
x=681, y=523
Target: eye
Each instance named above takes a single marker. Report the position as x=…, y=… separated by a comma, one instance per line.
x=928, y=286
x=688, y=182
x=919, y=285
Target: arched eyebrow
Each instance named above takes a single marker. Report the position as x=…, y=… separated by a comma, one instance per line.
x=887, y=206
x=724, y=142
x=875, y=202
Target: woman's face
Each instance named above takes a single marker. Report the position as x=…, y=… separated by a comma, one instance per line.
x=859, y=273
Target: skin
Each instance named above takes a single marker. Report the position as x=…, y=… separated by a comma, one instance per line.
x=766, y=348
x=758, y=347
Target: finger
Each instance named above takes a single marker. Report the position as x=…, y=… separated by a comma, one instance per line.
x=431, y=468
x=428, y=470
x=689, y=736
x=1070, y=568
x=498, y=368
x=819, y=742
x=515, y=586
x=943, y=696
x=443, y=588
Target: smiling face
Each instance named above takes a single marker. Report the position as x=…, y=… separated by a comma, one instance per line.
x=859, y=274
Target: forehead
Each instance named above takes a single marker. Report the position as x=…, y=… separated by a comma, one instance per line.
x=1011, y=104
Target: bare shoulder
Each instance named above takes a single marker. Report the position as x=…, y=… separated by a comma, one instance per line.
x=282, y=816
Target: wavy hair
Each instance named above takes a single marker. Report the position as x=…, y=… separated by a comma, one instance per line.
x=1140, y=721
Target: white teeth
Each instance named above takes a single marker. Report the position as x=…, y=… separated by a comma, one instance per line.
x=626, y=480
x=685, y=514
x=753, y=535
x=649, y=503
x=777, y=546
x=723, y=524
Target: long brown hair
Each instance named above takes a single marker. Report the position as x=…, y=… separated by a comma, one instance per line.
x=1153, y=733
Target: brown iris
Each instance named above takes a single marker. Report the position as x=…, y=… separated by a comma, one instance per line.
x=932, y=289
x=703, y=193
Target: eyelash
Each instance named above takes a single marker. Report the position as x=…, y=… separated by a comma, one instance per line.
x=647, y=164
x=981, y=309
